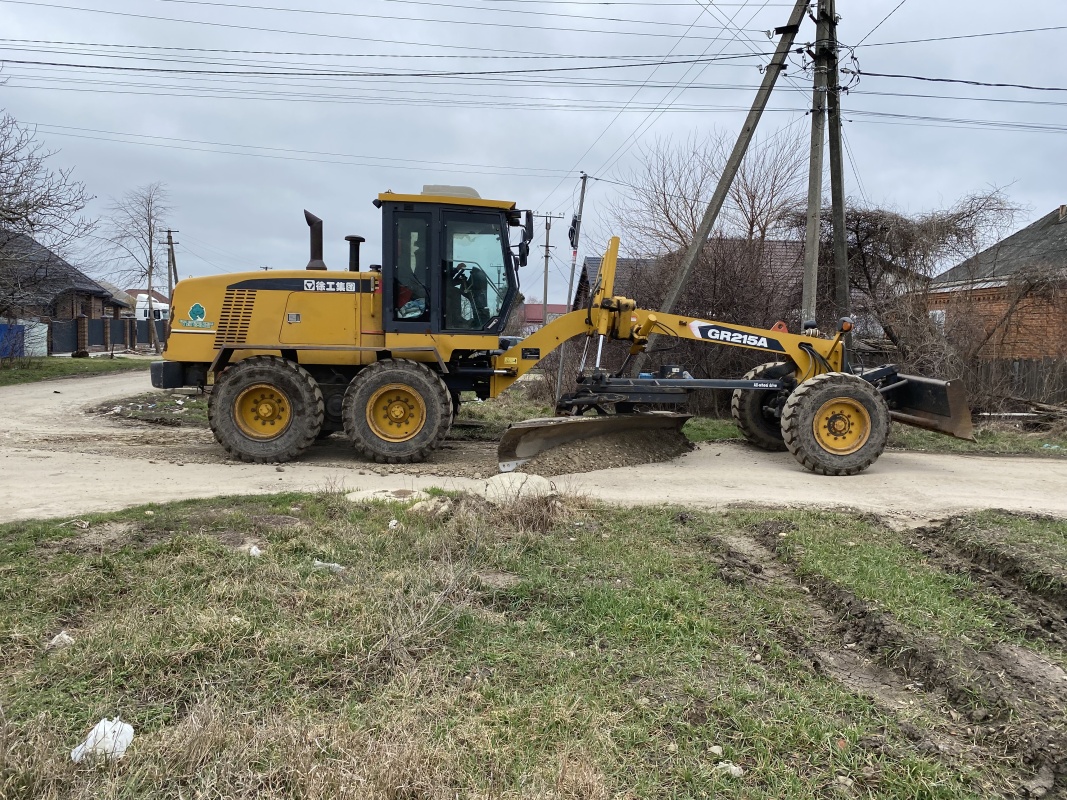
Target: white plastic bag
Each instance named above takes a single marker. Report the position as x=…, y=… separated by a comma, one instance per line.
x=109, y=738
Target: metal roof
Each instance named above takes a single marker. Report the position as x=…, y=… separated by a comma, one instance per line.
x=1041, y=245
x=31, y=275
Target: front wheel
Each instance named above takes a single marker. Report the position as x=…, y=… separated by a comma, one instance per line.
x=836, y=424
x=757, y=412
x=397, y=412
x=265, y=409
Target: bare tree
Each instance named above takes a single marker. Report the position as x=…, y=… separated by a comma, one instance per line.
x=134, y=226
x=746, y=273
x=38, y=203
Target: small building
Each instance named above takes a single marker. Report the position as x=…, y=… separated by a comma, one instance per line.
x=1011, y=296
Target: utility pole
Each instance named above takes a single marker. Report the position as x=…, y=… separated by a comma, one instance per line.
x=574, y=235
x=823, y=51
x=548, y=232
x=788, y=33
x=842, y=296
x=172, y=263
x=172, y=275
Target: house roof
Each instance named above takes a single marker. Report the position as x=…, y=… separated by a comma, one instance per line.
x=137, y=294
x=1042, y=244
x=34, y=276
x=782, y=258
x=532, y=311
x=118, y=296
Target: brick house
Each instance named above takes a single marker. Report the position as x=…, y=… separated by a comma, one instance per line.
x=1013, y=295
x=37, y=283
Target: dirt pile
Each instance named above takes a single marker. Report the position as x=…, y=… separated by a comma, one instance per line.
x=619, y=449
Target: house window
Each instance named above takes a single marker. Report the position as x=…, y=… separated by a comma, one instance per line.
x=937, y=318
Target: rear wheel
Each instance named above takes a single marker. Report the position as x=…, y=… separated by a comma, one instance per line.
x=397, y=412
x=836, y=424
x=757, y=412
x=265, y=409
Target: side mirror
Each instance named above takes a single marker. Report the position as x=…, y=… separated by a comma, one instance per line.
x=524, y=252
x=528, y=230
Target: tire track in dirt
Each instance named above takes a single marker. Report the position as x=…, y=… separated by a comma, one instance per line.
x=1037, y=606
x=1003, y=705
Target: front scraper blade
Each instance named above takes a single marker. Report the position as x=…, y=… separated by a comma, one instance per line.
x=931, y=404
x=524, y=440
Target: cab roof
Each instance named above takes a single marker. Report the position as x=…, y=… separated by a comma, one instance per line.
x=445, y=199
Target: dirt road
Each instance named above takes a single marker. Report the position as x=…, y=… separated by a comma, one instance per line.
x=58, y=459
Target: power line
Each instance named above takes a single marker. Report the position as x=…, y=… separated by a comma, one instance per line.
x=637, y=133
x=479, y=23
x=960, y=80
x=278, y=152
x=538, y=13
x=258, y=29
x=966, y=36
x=879, y=25
x=607, y=127
x=504, y=56
x=309, y=73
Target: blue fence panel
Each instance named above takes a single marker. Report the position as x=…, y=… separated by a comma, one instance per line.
x=12, y=340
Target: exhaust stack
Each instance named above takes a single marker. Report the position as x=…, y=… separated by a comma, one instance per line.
x=315, y=224
x=353, y=252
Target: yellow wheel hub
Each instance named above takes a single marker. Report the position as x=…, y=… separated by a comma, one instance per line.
x=263, y=411
x=396, y=412
x=842, y=426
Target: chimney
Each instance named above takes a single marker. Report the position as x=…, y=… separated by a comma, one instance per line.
x=1063, y=213
x=315, y=224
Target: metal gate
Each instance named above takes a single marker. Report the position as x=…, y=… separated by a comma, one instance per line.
x=64, y=335
x=97, y=337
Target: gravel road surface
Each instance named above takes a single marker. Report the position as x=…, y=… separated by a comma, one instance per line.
x=59, y=459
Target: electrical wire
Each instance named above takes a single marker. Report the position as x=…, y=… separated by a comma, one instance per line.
x=642, y=128
x=607, y=127
x=879, y=25
x=310, y=74
x=962, y=81
x=325, y=13
x=966, y=36
x=282, y=153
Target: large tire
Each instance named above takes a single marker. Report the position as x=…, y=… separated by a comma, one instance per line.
x=749, y=408
x=265, y=409
x=836, y=424
x=397, y=412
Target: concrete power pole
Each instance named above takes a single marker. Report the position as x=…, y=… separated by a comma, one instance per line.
x=548, y=232
x=574, y=234
x=788, y=32
x=842, y=296
x=823, y=52
x=172, y=275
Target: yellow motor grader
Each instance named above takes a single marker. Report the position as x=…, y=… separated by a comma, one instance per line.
x=384, y=354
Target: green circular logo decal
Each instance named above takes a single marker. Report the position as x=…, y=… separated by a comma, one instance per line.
x=197, y=312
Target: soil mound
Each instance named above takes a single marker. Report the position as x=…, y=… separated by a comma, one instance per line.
x=618, y=449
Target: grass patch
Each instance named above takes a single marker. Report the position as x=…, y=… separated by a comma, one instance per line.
x=488, y=419
x=181, y=408
x=555, y=650
x=29, y=370
x=875, y=564
x=994, y=438
x=711, y=429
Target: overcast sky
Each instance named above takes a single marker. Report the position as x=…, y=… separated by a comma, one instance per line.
x=243, y=154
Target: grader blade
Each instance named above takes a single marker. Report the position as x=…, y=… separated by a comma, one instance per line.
x=524, y=440
x=935, y=405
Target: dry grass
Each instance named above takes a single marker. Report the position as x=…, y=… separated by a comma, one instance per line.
x=552, y=648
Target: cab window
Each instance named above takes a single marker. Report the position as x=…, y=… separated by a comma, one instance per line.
x=411, y=283
x=475, y=275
